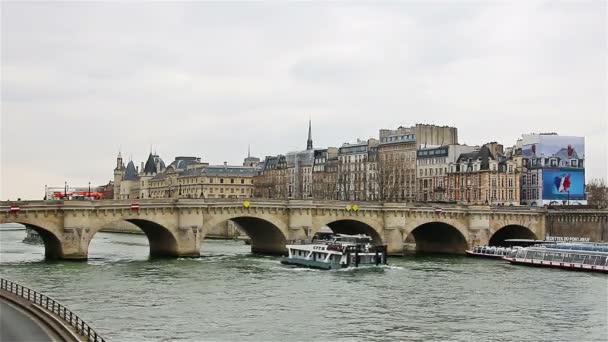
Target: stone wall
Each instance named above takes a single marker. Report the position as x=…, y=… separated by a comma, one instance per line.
x=578, y=225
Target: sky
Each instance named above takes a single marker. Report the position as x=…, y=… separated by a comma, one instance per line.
x=81, y=81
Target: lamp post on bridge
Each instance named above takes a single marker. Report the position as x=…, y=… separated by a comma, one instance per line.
x=65, y=189
x=89, y=194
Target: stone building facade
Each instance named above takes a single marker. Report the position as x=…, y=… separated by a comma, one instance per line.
x=185, y=177
x=271, y=182
x=397, y=157
x=432, y=164
x=325, y=174
x=358, y=171
x=482, y=178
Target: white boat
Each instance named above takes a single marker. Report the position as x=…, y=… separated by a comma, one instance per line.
x=582, y=257
x=334, y=251
x=490, y=251
x=32, y=237
x=498, y=252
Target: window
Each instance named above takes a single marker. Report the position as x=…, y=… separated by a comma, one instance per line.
x=242, y=181
x=574, y=163
x=221, y=180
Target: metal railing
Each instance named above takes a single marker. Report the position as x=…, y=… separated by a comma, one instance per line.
x=53, y=306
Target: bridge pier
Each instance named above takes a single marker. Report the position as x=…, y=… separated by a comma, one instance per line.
x=393, y=238
x=75, y=243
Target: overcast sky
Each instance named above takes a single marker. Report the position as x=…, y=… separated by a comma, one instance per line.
x=81, y=81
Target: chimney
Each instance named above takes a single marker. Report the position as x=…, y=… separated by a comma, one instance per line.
x=225, y=163
x=142, y=167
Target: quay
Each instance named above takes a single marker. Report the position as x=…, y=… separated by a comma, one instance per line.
x=177, y=227
x=28, y=315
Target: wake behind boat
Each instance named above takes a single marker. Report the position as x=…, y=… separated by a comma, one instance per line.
x=334, y=251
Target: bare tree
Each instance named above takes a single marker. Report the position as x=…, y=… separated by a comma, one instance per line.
x=597, y=193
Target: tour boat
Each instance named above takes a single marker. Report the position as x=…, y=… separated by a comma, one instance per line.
x=498, y=252
x=32, y=236
x=334, y=251
x=492, y=252
x=582, y=257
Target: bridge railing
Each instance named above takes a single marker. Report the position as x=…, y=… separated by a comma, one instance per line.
x=53, y=306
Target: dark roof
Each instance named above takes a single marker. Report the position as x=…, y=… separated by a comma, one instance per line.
x=180, y=163
x=130, y=172
x=483, y=153
x=230, y=171
x=153, y=160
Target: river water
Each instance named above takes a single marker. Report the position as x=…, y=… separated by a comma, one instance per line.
x=230, y=295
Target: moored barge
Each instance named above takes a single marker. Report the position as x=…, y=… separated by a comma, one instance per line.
x=581, y=257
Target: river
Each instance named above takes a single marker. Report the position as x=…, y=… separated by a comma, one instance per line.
x=230, y=295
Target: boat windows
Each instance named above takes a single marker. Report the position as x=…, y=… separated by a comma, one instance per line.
x=590, y=260
x=578, y=258
x=557, y=257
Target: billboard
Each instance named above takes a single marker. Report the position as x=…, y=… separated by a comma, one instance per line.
x=563, y=184
x=547, y=146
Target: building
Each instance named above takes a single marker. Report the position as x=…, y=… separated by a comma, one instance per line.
x=357, y=171
x=271, y=181
x=325, y=174
x=185, y=177
x=554, y=170
x=483, y=177
x=299, y=170
x=251, y=161
x=397, y=157
x=432, y=164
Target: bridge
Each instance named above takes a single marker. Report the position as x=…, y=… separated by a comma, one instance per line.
x=177, y=227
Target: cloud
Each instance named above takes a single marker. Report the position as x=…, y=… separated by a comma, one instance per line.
x=82, y=80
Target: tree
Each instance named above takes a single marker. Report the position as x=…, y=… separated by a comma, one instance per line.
x=597, y=193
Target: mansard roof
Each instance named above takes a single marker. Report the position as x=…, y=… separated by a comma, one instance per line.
x=130, y=172
x=230, y=171
x=483, y=153
x=181, y=163
x=151, y=164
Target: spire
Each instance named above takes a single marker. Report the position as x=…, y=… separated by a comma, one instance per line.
x=248, y=150
x=309, y=141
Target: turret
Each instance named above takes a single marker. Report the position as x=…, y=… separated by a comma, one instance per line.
x=118, y=174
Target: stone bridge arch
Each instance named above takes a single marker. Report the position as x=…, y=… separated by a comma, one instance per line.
x=162, y=240
x=351, y=225
x=514, y=226
x=160, y=225
x=50, y=230
x=268, y=232
x=511, y=231
x=438, y=237
x=436, y=231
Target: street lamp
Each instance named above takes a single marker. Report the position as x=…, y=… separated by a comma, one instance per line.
x=89, y=190
x=65, y=189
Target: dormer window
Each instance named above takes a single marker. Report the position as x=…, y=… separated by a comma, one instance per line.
x=574, y=163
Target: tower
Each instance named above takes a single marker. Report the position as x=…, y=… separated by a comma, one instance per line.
x=309, y=141
x=118, y=174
